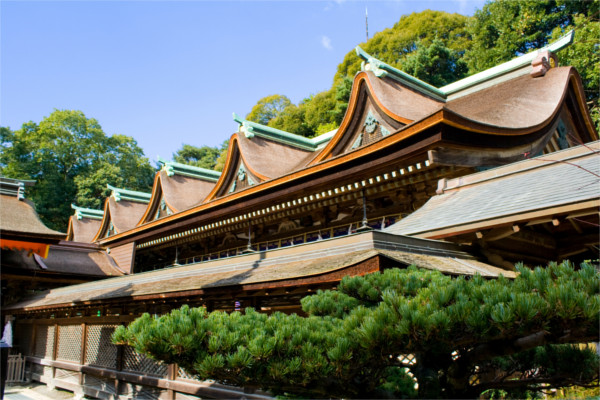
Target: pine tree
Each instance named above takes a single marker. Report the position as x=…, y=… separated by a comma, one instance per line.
x=467, y=336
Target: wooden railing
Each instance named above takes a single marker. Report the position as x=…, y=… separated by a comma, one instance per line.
x=301, y=238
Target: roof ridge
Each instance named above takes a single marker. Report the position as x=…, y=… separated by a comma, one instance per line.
x=82, y=212
x=251, y=129
x=130, y=195
x=175, y=168
x=382, y=69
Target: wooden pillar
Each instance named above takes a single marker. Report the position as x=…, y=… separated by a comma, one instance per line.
x=119, y=367
x=54, y=354
x=32, y=340
x=171, y=376
x=83, y=350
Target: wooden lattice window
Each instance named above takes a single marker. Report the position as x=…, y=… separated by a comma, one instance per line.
x=99, y=349
x=183, y=374
x=44, y=341
x=69, y=343
x=136, y=362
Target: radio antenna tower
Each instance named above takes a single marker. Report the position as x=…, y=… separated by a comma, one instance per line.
x=367, y=22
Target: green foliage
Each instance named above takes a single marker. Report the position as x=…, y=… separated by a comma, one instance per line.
x=436, y=64
x=268, y=108
x=204, y=157
x=395, y=44
x=71, y=159
x=222, y=158
x=584, y=54
x=353, y=340
x=504, y=29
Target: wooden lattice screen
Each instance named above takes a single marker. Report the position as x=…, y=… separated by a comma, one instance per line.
x=136, y=362
x=44, y=341
x=99, y=350
x=183, y=374
x=69, y=343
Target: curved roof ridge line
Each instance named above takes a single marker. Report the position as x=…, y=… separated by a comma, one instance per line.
x=175, y=168
x=381, y=69
x=82, y=212
x=251, y=129
x=130, y=195
x=509, y=66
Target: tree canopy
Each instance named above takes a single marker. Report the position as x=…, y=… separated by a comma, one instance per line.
x=456, y=337
x=72, y=160
x=204, y=157
x=440, y=48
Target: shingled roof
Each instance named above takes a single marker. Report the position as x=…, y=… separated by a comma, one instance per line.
x=543, y=184
x=65, y=258
x=84, y=224
x=18, y=217
x=280, y=265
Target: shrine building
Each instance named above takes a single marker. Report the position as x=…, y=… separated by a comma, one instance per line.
x=470, y=178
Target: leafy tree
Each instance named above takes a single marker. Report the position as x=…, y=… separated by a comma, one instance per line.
x=467, y=336
x=204, y=157
x=504, y=29
x=393, y=45
x=220, y=164
x=268, y=108
x=584, y=54
x=72, y=159
x=435, y=64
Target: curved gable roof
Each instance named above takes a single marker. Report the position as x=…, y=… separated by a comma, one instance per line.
x=178, y=191
x=258, y=153
x=84, y=224
x=122, y=210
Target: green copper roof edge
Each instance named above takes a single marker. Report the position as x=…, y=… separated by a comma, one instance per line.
x=323, y=138
x=402, y=76
x=82, y=212
x=172, y=167
x=509, y=66
x=131, y=195
x=444, y=91
x=252, y=128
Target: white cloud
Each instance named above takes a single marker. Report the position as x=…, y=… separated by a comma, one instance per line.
x=326, y=42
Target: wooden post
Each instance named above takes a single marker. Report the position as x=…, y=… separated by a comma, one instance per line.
x=54, y=354
x=119, y=367
x=171, y=376
x=32, y=340
x=83, y=350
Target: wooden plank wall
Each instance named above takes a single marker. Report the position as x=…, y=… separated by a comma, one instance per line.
x=123, y=256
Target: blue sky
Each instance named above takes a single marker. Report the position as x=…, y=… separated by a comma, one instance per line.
x=168, y=73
